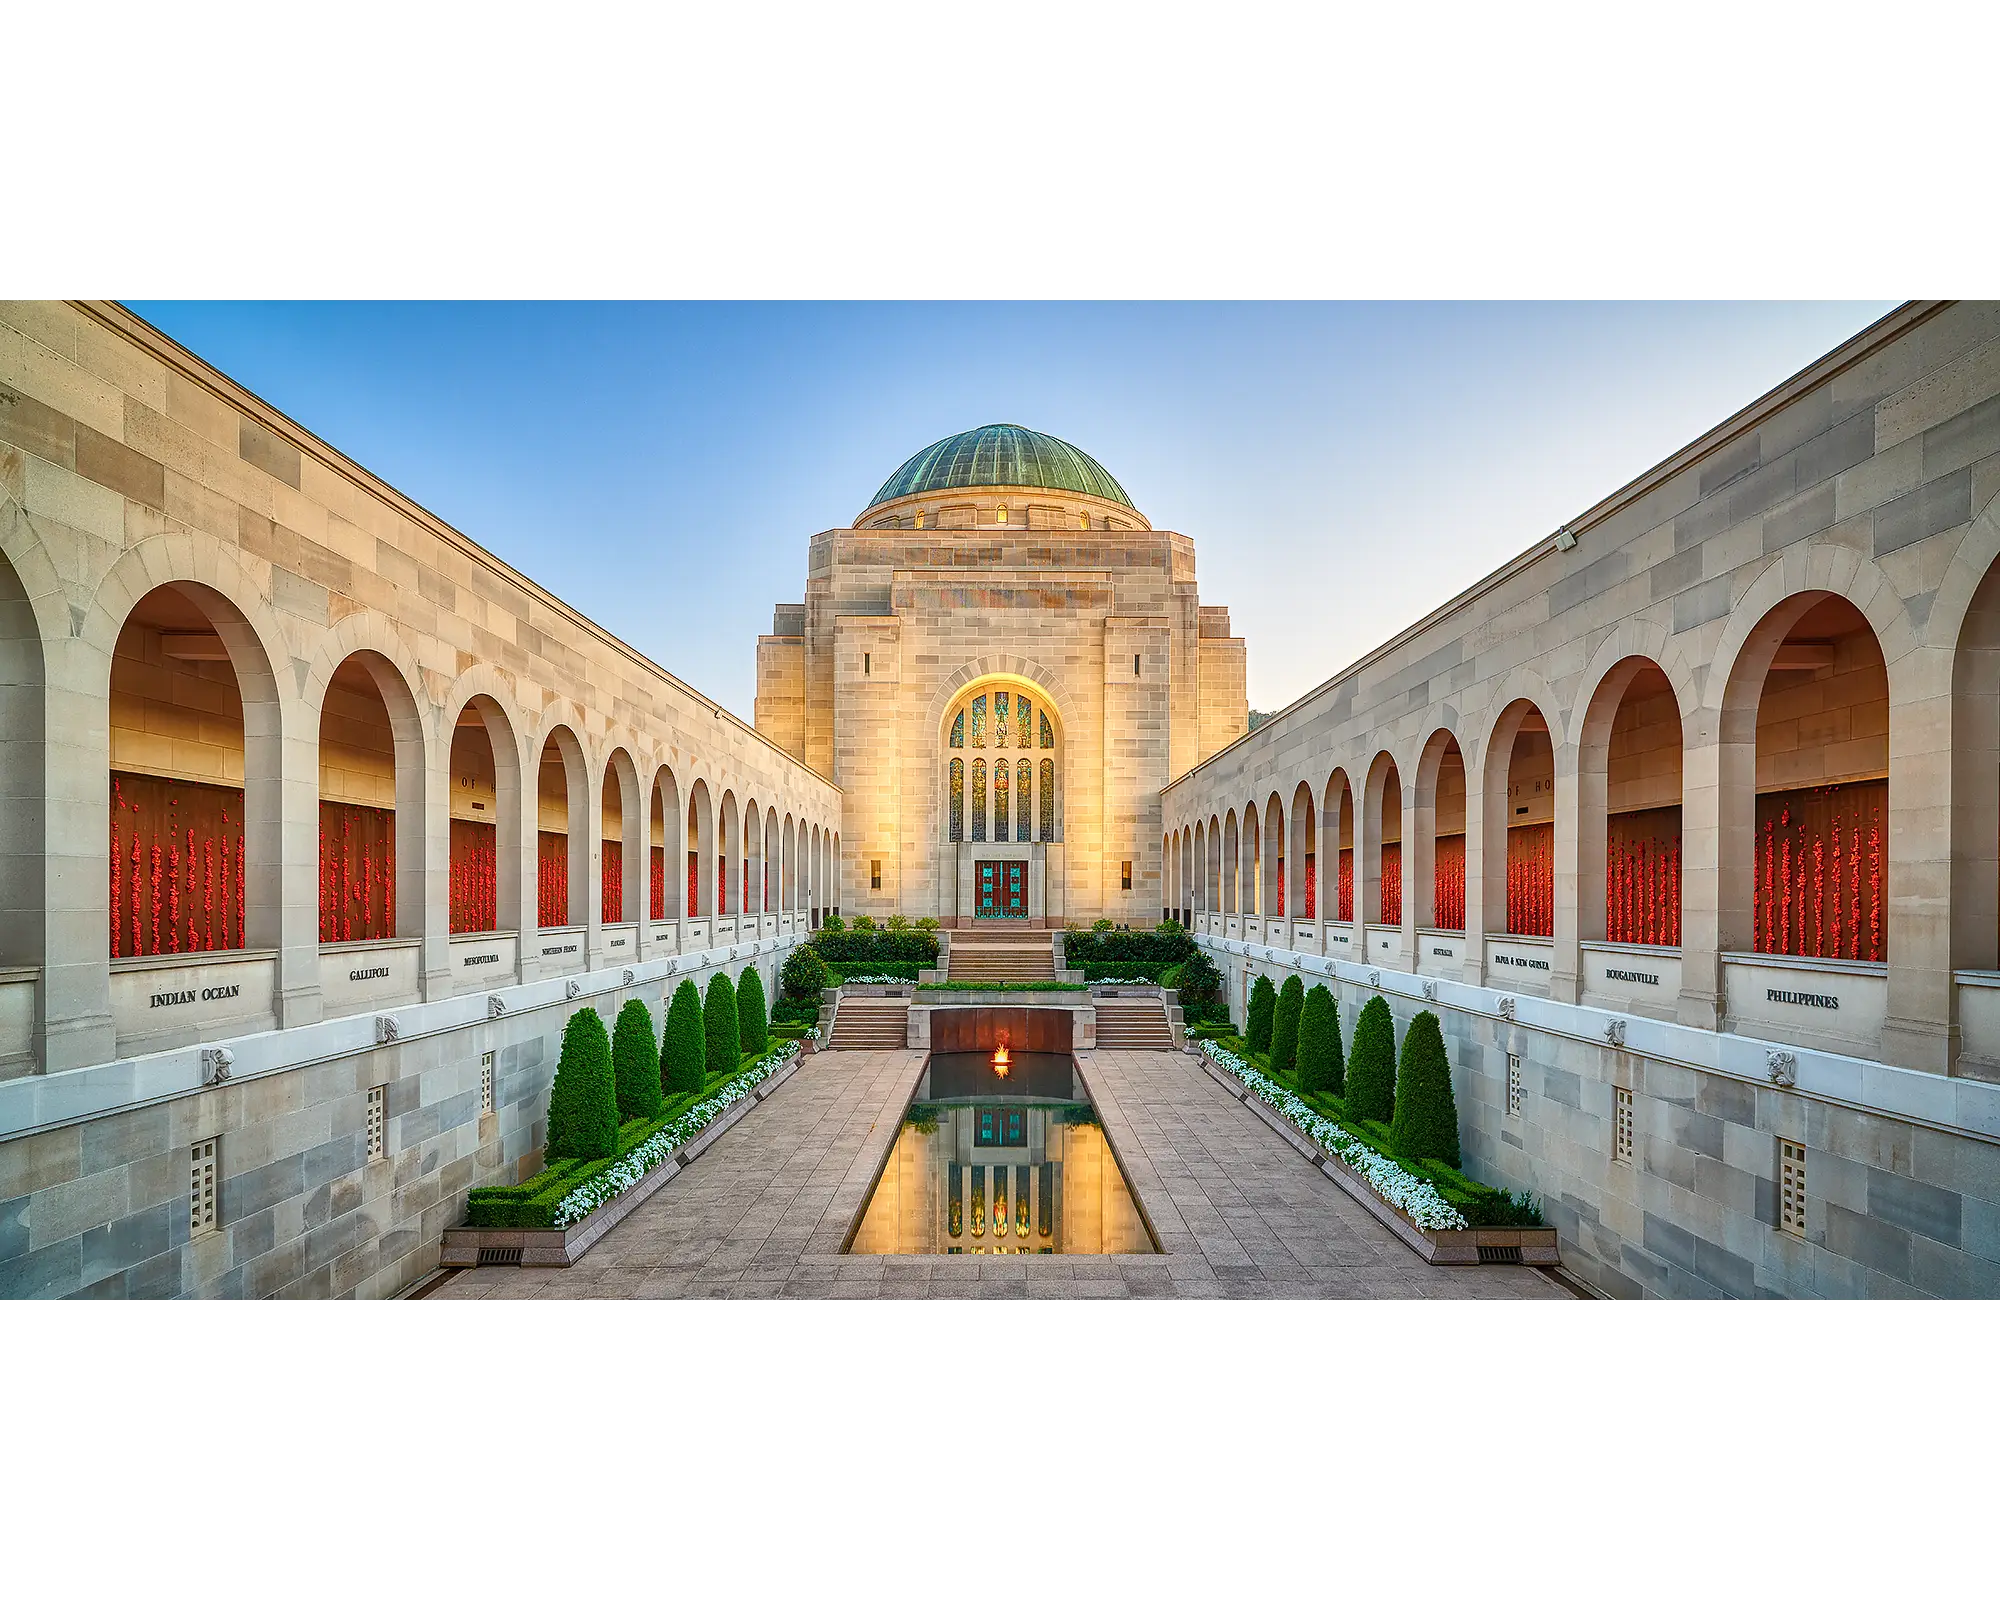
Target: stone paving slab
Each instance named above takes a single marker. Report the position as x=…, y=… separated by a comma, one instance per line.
x=1238, y=1213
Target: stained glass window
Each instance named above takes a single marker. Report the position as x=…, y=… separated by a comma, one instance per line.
x=978, y=801
x=958, y=732
x=979, y=723
x=1000, y=720
x=957, y=799
x=1024, y=784
x=1048, y=794
x=1000, y=800
x=1026, y=708
x=1048, y=734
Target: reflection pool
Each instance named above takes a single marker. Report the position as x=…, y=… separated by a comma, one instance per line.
x=1001, y=1158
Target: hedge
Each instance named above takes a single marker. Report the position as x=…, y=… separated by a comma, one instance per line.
x=841, y=971
x=1482, y=1207
x=1258, y=1016
x=1426, y=1124
x=750, y=1018
x=1151, y=971
x=1371, y=1069
x=848, y=947
x=533, y=1204
x=795, y=1013
x=1321, y=1069
x=684, y=1050
x=1285, y=1024
x=1199, y=981
x=804, y=975
x=719, y=1025
x=583, y=1104
x=1126, y=944
x=635, y=1062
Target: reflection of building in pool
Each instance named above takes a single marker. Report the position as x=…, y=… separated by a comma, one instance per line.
x=1003, y=1179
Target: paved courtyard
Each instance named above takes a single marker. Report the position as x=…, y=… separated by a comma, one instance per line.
x=764, y=1213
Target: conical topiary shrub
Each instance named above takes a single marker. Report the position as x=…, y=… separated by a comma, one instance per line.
x=1285, y=1023
x=1426, y=1125
x=635, y=1062
x=1371, y=1069
x=1257, y=1019
x=750, y=1019
x=1320, y=1066
x=720, y=1026
x=583, y=1105
x=684, y=1050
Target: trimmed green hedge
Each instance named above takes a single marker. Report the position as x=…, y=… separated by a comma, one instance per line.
x=1371, y=1068
x=1321, y=1068
x=720, y=1029
x=1285, y=1023
x=1480, y=1205
x=1426, y=1121
x=792, y=1013
x=750, y=1018
x=1259, y=1015
x=865, y=951
x=1127, y=944
x=1151, y=971
x=841, y=971
x=684, y=1050
x=804, y=974
x=635, y=1063
x=533, y=1204
x=583, y=1102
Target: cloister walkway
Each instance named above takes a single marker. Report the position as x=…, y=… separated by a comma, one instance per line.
x=763, y=1214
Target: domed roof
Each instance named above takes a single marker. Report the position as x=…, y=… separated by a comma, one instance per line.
x=1001, y=454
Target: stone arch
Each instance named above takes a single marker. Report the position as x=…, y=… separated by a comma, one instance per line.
x=1271, y=868
x=1379, y=877
x=1338, y=819
x=486, y=695
x=663, y=795
x=1646, y=907
x=1533, y=898
x=1439, y=835
x=628, y=845
x=1232, y=864
x=24, y=865
x=701, y=847
x=563, y=887
x=410, y=753
x=1302, y=856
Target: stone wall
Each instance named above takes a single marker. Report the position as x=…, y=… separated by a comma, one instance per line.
x=1895, y=1206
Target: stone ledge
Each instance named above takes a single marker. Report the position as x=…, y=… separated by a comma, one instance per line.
x=564, y=1247
x=1966, y=1106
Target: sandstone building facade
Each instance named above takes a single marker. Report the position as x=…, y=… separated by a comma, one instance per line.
x=1685, y=821
x=314, y=813
x=1001, y=593
x=318, y=820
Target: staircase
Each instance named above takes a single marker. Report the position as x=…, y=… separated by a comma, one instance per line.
x=1133, y=1025
x=871, y=1022
x=1001, y=955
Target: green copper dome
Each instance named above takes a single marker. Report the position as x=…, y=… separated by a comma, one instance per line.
x=1001, y=454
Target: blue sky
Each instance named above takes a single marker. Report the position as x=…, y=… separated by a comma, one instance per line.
x=1343, y=468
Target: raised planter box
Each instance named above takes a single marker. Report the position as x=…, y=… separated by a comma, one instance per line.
x=564, y=1247
x=903, y=989
x=1444, y=1247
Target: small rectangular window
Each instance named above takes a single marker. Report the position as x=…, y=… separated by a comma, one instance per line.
x=1135, y=666
x=1515, y=1094
x=874, y=874
x=486, y=1084
x=201, y=1188
x=377, y=1120
x=1791, y=1187
x=1622, y=1149
x=867, y=664
x=1124, y=874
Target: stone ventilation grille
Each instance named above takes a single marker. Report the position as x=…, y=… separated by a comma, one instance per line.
x=486, y=1084
x=1623, y=1149
x=376, y=1120
x=201, y=1188
x=1515, y=1094
x=1791, y=1187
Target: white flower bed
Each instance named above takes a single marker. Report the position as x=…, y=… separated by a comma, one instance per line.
x=616, y=1179
x=877, y=977
x=1106, y=983
x=1417, y=1198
